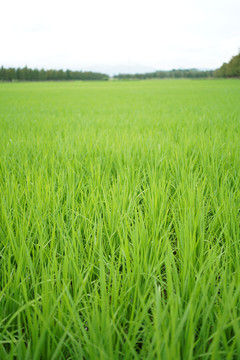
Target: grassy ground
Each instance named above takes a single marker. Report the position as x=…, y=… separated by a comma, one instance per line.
x=119, y=220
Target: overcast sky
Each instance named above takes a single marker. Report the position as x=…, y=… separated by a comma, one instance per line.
x=119, y=35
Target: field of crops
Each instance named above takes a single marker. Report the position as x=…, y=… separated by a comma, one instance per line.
x=119, y=220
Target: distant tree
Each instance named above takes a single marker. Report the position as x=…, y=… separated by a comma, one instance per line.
x=27, y=74
x=175, y=74
x=231, y=69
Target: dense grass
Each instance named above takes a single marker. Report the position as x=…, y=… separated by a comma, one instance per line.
x=119, y=220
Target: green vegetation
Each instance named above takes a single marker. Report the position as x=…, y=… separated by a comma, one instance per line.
x=119, y=220
x=231, y=69
x=26, y=74
x=169, y=74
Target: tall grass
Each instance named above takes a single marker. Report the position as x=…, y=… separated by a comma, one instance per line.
x=119, y=220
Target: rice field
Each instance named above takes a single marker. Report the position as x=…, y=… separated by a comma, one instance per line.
x=119, y=220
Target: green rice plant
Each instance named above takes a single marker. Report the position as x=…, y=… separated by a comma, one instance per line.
x=119, y=220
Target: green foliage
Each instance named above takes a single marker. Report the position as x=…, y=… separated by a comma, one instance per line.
x=231, y=69
x=170, y=74
x=26, y=74
x=119, y=220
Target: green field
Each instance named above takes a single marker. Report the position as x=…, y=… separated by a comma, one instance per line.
x=119, y=220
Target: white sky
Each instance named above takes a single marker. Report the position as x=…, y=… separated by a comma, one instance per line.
x=119, y=35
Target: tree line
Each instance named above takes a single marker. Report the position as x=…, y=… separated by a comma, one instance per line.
x=27, y=74
x=170, y=74
x=230, y=69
